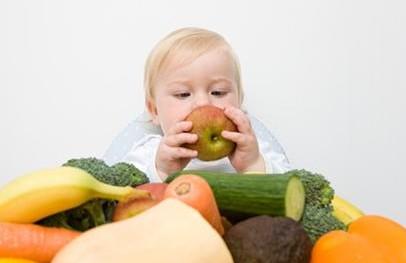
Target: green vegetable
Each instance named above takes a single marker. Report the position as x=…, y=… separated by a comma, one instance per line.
x=91, y=214
x=318, y=189
x=317, y=217
x=98, y=211
x=120, y=174
x=254, y=194
x=318, y=221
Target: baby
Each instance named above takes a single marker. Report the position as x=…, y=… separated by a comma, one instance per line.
x=189, y=68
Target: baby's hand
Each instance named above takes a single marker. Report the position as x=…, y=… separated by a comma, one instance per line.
x=246, y=157
x=171, y=157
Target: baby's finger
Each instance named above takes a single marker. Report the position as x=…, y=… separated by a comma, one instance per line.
x=239, y=118
x=236, y=137
x=180, y=127
x=180, y=138
x=181, y=152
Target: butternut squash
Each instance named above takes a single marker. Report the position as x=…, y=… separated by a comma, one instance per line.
x=169, y=232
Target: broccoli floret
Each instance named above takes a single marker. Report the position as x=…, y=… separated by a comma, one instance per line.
x=317, y=216
x=96, y=167
x=318, y=189
x=90, y=214
x=56, y=220
x=120, y=174
x=128, y=174
x=97, y=211
x=317, y=221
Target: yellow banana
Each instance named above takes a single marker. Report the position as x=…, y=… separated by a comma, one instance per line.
x=45, y=192
x=345, y=211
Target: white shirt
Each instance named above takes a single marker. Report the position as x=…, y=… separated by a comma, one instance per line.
x=139, y=141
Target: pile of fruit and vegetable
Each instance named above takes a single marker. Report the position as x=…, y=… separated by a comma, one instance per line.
x=87, y=211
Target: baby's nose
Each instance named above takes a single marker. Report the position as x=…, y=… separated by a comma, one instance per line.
x=202, y=100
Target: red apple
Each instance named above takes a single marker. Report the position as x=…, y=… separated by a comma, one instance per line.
x=157, y=190
x=208, y=123
x=133, y=207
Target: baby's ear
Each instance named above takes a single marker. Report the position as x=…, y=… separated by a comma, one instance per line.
x=152, y=111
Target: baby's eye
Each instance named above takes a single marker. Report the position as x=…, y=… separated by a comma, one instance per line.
x=218, y=93
x=182, y=95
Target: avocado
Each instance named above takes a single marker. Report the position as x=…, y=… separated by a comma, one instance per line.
x=265, y=239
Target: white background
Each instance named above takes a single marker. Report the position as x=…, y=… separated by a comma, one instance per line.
x=328, y=78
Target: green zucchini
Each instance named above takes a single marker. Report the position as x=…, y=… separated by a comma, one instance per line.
x=245, y=195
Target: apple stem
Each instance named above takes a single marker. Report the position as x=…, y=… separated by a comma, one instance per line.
x=183, y=188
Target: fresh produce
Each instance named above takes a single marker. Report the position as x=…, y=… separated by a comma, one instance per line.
x=128, y=208
x=196, y=192
x=339, y=246
x=32, y=242
x=372, y=239
x=45, y=192
x=119, y=174
x=264, y=239
x=15, y=260
x=318, y=189
x=96, y=211
x=208, y=123
x=385, y=234
x=157, y=190
x=319, y=220
x=254, y=194
x=93, y=213
x=344, y=210
x=242, y=196
x=169, y=232
x=318, y=217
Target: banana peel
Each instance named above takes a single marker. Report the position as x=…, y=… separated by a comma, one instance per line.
x=41, y=193
x=345, y=211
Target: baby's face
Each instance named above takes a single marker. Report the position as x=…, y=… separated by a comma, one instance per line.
x=209, y=79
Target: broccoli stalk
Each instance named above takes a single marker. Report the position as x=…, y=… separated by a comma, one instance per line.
x=81, y=218
x=97, y=211
x=57, y=220
x=317, y=217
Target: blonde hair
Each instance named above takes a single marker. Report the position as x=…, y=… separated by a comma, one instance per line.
x=193, y=42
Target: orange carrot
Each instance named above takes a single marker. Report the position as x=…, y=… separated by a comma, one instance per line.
x=15, y=260
x=33, y=242
x=196, y=192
